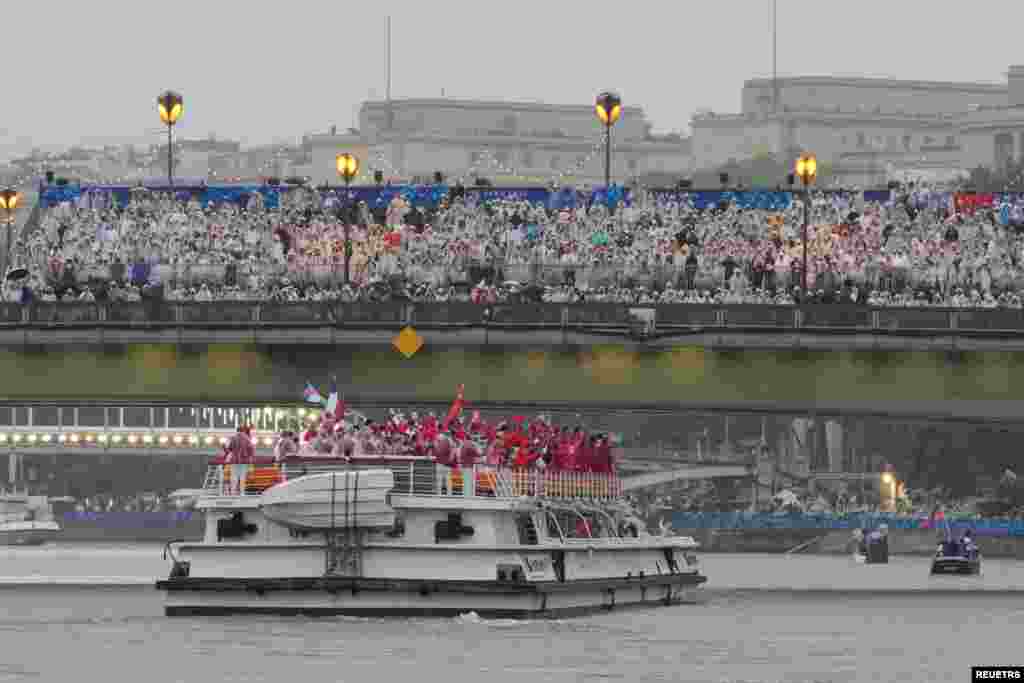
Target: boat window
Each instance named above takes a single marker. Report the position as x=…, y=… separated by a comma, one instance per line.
x=398, y=530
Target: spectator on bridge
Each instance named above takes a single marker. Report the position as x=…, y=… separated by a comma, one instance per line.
x=917, y=249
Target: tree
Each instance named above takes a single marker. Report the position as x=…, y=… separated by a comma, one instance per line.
x=1009, y=178
x=761, y=172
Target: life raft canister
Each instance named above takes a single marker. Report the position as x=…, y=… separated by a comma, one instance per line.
x=262, y=478
x=455, y=481
x=487, y=482
x=520, y=480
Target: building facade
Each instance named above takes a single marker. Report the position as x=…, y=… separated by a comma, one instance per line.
x=866, y=130
x=505, y=143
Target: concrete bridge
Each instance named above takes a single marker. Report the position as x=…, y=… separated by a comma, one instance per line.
x=692, y=473
x=539, y=326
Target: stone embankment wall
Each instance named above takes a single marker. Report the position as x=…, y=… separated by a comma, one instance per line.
x=817, y=542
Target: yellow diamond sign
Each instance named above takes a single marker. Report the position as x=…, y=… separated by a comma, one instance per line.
x=407, y=342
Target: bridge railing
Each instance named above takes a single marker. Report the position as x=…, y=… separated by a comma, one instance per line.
x=626, y=319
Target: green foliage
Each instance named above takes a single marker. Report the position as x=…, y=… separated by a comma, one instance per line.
x=1007, y=179
x=761, y=172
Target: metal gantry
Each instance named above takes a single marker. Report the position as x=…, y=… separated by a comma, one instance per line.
x=170, y=429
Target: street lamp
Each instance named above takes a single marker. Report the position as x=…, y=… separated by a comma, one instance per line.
x=171, y=107
x=608, y=108
x=9, y=198
x=807, y=171
x=348, y=168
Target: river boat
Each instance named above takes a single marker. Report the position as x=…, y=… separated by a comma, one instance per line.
x=26, y=520
x=405, y=536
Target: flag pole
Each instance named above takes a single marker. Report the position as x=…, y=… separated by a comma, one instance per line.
x=775, y=56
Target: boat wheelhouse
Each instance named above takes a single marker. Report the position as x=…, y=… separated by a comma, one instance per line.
x=405, y=536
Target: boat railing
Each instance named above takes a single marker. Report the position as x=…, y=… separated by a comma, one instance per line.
x=423, y=477
x=489, y=481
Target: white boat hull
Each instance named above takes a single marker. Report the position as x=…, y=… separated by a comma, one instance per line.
x=404, y=598
x=322, y=501
x=28, y=533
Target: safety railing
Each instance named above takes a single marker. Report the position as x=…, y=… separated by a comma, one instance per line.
x=620, y=318
x=422, y=477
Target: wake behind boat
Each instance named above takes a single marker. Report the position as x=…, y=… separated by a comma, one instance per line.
x=504, y=528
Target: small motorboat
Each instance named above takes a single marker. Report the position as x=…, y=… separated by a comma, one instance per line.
x=957, y=557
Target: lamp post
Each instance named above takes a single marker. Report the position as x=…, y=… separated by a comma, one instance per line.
x=9, y=198
x=348, y=168
x=171, y=107
x=806, y=170
x=608, y=108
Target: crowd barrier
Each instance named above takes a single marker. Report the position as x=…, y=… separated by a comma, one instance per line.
x=746, y=520
x=598, y=316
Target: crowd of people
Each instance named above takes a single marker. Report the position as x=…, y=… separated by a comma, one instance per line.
x=919, y=248
x=453, y=441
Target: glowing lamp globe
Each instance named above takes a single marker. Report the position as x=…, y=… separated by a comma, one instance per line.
x=9, y=199
x=807, y=168
x=348, y=166
x=608, y=108
x=171, y=107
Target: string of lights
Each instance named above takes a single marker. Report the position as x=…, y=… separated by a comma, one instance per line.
x=212, y=426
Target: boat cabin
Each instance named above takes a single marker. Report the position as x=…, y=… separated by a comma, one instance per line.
x=434, y=504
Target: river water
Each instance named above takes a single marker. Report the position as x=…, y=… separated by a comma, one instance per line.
x=72, y=613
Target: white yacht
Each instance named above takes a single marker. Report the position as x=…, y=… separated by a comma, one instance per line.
x=404, y=536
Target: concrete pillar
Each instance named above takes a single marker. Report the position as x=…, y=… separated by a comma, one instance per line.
x=834, y=445
x=801, y=435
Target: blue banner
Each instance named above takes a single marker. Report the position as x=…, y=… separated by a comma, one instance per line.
x=431, y=195
x=763, y=200
x=534, y=195
x=102, y=195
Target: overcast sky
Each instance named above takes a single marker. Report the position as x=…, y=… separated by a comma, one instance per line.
x=89, y=72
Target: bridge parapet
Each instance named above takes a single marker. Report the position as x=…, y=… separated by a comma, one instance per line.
x=625, y=320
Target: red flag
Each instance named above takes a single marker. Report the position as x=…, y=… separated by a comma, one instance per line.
x=456, y=409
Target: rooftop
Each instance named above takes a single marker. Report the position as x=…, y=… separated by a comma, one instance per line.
x=881, y=82
x=450, y=103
